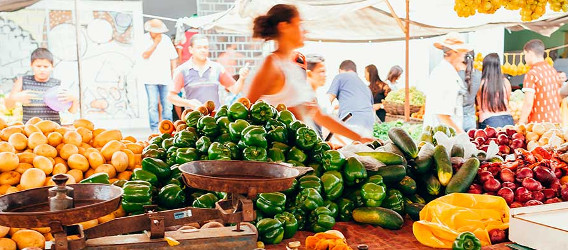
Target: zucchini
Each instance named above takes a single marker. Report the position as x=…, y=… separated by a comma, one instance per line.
x=433, y=186
x=443, y=165
x=457, y=150
x=403, y=141
x=407, y=186
x=392, y=174
x=378, y=216
x=387, y=158
x=463, y=178
x=413, y=210
x=423, y=163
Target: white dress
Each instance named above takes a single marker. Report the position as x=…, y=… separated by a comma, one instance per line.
x=296, y=90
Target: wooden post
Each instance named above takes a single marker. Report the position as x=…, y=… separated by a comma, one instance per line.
x=406, y=74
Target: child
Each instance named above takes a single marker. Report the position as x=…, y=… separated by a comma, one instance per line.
x=30, y=89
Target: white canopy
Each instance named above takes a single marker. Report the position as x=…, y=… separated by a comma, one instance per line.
x=372, y=20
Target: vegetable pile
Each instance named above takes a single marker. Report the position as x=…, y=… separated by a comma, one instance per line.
x=381, y=129
x=417, y=98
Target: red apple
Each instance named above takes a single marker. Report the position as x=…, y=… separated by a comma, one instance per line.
x=471, y=133
x=564, y=193
x=507, y=175
x=558, y=173
x=503, y=140
x=484, y=176
x=533, y=203
x=516, y=204
x=475, y=189
x=518, y=136
x=510, y=185
x=507, y=194
x=532, y=184
x=497, y=236
x=555, y=185
x=523, y=173
x=494, y=169
x=523, y=195
x=544, y=174
x=492, y=140
x=490, y=132
x=480, y=140
x=553, y=200
x=481, y=134
x=511, y=132
x=484, y=148
x=538, y=195
x=516, y=143
x=503, y=149
x=491, y=185
x=549, y=193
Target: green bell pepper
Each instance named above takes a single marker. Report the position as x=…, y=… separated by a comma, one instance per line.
x=394, y=201
x=202, y=145
x=118, y=183
x=235, y=153
x=310, y=181
x=332, y=160
x=166, y=136
x=184, y=155
x=218, y=151
x=143, y=175
x=273, y=123
x=276, y=155
x=222, y=138
x=271, y=203
x=280, y=146
x=466, y=241
x=346, y=207
x=167, y=143
x=157, y=167
x=238, y=111
x=255, y=136
x=295, y=154
x=316, y=154
x=150, y=147
x=254, y=154
x=171, y=196
x=101, y=178
x=223, y=124
x=299, y=214
x=292, y=189
x=373, y=194
x=278, y=134
x=154, y=153
x=332, y=184
x=306, y=138
x=290, y=224
x=206, y=125
x=223, y=111
x=321, y=220
x=354, y=172
x=270, y=231
x=236, y=128
x=156, y=141
x=185, y=139
x=261, y=112
x=309, y=199
x=377, y=179
x=293, y=127
x=136, y=194
x=192, y=117
x=207, y=200
x=333, y=207
x=286, y=117
x=354, y=194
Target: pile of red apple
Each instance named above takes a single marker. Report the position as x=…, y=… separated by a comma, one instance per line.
x=521, y=186
x=507, y=139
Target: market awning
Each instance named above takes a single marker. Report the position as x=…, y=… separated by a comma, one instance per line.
x=373, y=20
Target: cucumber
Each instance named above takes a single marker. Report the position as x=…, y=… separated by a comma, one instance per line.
x=433, y=186
x=407, y=186
x=463, y=178
x=457, y=150
x=387, y=158
x=392, y=174
x=423, y=163
x=378, y=216
x=443, y=165
x=403, y=141
x=413, y=210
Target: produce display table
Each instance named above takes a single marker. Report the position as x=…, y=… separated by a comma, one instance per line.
x=376, y=238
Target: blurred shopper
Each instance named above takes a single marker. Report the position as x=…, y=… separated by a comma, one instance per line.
x=280, y=80
x=446, y=92
x=229, y=59
x=493, y=97
x=472, y=80
x=392, y=78
x=353, y=95
x=158, y=64
x=379, y=89
x=541, y=85
x=201, y=78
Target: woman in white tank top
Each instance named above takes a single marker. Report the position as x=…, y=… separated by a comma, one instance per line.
x=280, y=81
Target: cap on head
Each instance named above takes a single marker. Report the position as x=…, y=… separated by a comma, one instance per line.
x=453, y=41
x=155, y=26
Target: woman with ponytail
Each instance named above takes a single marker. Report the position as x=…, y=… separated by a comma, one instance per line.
x=493, y=96
x=472, y=80
x=280, y=81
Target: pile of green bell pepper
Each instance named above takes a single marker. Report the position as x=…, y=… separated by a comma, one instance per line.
x=261, y=112
x=332, y=160
x=395, y=201
x=373, y=194
x=207, y=126
x=157, y=167
x=137, y=194
x=290, y=224
x=207, y=200
x=321, y=220
x=192, y=118
x=354, y=172
x=310, y=181
x=238, y=111
x=332, y=184
x=143, y=175
x=309, y=199
x=345, y=212
x=271, y=203
x=270, y=231
x=171, y=196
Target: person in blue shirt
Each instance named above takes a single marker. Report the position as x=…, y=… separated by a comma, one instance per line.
x=354, y=96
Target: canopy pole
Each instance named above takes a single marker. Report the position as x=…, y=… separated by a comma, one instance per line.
x=77, y=31
x=395, y=16
x=406, y=73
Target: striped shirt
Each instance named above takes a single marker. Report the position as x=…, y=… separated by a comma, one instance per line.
x=543, y=81
x=37, y=106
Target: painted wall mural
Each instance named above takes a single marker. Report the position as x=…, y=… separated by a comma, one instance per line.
x=107, y=35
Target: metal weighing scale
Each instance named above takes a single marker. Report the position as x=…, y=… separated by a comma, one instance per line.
x=61, y=207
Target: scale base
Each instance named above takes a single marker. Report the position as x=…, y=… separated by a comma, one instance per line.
x=210, y=238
